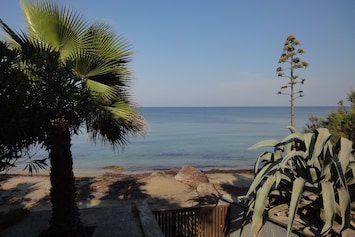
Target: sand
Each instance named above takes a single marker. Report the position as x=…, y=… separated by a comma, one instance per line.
x=159, y=188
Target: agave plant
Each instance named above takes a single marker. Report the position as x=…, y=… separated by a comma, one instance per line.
x=305, y=175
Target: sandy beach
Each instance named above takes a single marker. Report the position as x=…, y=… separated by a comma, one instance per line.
x=159, y=188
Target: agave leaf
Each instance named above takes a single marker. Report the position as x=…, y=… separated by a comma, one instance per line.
x=277, y=209
x=264, y=171
x=323, y=136
x=265, y=143
x=291, y=155
x=326, y=174
x=250, y=206
x=260, y=202
x=350, y=181
x=266, y=156
x=340, y=173
x=351, y=158
x=299, y=167
x=307, y=138
x=344, y=208
x=292, y=129
x=319, y=146
x=351, y=166
x=328, y=147
x=278, y=154
x=297, y=189
x=313, y=173
x=293, y=136
x=315, y=162
x=329, y=206
x=344, y=152
x=279, y=177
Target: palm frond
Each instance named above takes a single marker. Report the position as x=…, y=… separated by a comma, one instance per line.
x=60, y=27
x=114, y=124
x=17, y=39
x=103, y=53
x=103, y=41
x=102, y=91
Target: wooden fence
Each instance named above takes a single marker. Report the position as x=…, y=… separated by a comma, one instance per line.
x=202, y=221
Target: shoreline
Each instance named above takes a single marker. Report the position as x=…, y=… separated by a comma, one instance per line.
x=92, y=172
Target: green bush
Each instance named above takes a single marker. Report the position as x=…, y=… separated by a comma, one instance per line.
x=340, y=123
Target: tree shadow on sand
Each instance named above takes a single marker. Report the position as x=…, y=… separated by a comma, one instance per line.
x=118, y=188
x=13, y=210
x=15, y=196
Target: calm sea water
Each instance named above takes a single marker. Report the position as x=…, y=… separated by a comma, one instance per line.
x=203, y=137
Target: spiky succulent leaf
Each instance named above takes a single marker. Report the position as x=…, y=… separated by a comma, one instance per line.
x=259, y=206
x=297, y=188
x=293, y=136
x=279, y=177
x=323, y=137
x=344, y=208
x=265, y=143
x=307, y=138
x=345, y=148
x=328, y=197
x=266, y=156
x=292, y=129
x=264, y=171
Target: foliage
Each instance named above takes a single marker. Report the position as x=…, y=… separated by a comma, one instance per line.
x=305, y=175
x=340, y=123
x=41, y=95
x=21, y=117
x=290, y=57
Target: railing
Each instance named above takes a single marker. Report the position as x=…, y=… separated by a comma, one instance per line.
x=202, y=221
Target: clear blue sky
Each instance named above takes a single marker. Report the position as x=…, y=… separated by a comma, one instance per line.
x=224, y=53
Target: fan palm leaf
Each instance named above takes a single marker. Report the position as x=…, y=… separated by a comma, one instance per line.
x=60, y=27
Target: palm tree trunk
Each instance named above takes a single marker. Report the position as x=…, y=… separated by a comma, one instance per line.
x=65, y=220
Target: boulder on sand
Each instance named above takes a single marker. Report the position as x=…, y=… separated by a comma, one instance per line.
x=207, y=189
x=191, y=176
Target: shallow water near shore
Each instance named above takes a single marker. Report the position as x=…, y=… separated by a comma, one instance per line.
x=203, y=137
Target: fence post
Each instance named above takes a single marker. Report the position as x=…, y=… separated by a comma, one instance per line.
x=149, y=224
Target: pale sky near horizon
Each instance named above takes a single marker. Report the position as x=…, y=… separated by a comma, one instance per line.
x=225, y=53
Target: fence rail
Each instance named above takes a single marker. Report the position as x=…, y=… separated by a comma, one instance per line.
x=202, y=221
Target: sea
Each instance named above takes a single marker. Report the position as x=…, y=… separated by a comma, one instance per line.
x=202, y=137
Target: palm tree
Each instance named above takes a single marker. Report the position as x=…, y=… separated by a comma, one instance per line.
x=82, y=78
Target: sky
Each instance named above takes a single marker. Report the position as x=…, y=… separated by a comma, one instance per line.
x=225, y=53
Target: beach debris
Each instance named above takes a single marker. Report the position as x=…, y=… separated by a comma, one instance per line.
x=191, y=176
x=113, y=168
